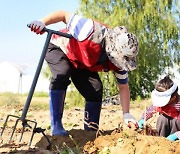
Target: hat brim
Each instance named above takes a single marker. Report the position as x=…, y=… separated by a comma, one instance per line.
x=128, y=64
x=159, y=101
x=118, y=49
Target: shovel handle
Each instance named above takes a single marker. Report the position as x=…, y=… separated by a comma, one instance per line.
x=38, y=70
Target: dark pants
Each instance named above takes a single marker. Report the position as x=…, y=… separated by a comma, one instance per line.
x=167, y=125
x=88, y=83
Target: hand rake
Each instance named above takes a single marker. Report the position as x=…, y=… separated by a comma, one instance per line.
x=25, y=122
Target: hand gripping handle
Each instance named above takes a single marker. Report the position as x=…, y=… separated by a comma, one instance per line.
x=55, y=32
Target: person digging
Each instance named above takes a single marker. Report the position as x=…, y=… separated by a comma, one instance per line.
x=93, y=48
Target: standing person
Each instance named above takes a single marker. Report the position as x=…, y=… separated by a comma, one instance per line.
x=93, y=48
x=166, y=101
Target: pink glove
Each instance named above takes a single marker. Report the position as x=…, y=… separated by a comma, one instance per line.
x=128, y=118
x=37, y=26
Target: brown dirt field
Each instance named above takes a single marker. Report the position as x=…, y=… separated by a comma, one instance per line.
x=112, y=138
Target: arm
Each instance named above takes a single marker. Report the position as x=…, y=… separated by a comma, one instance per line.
x=124, y=97
x=59, y=16
x=148, y=113
x=56, y=17
x=79, y=27
x=125, y=103
x=124, y=93
x=122, y=79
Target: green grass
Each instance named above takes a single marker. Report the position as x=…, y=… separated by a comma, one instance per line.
x=9, y=99
x=73, y=99
x=140, y=103
x=39, y=94
x=40, y=101
x=12, y=100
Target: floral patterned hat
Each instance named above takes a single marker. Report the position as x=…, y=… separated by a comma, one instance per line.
x=121, y=48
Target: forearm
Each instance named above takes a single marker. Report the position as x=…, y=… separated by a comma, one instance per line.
x=124, y=97
x=58, y=16
x=125, y=103
x=148, y=113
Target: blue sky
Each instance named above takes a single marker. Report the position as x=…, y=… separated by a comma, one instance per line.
x=18, y=44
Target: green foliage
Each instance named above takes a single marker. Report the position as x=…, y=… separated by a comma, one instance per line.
x=40, y=101
x=109, y=84
x=40, y=94
x=46, y=72
x=73, y=98
x=155, y=23
x=66, y=150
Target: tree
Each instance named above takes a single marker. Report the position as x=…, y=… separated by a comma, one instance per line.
x=154, y=22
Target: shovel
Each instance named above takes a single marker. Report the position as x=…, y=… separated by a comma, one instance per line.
x=25, y=122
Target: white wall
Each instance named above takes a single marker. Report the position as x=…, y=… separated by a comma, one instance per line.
x=9, y=77
x=41, y=86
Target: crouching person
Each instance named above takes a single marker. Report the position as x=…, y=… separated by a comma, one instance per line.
x=166, y=101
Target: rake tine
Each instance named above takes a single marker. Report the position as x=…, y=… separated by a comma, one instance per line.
x=14, y=129
x=40, y=130
x=30, y=141
x=22, y=132
x=24, y=124
x=49, y=142
x=5, y=123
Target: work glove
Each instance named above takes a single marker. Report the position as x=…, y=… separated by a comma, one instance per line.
x=128, y=118
x=37, y=26
x=172, y=137
x=141, y=123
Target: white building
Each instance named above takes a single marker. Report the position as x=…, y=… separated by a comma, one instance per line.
x=13, y=79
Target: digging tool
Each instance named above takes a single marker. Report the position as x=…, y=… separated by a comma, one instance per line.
x=26, y=122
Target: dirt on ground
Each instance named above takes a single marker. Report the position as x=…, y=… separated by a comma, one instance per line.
x=113, y=137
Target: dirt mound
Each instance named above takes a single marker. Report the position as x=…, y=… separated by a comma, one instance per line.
x=123, y=141
x=109, y=140
x=129, y=142
x=76, y=140
x=118, y=141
